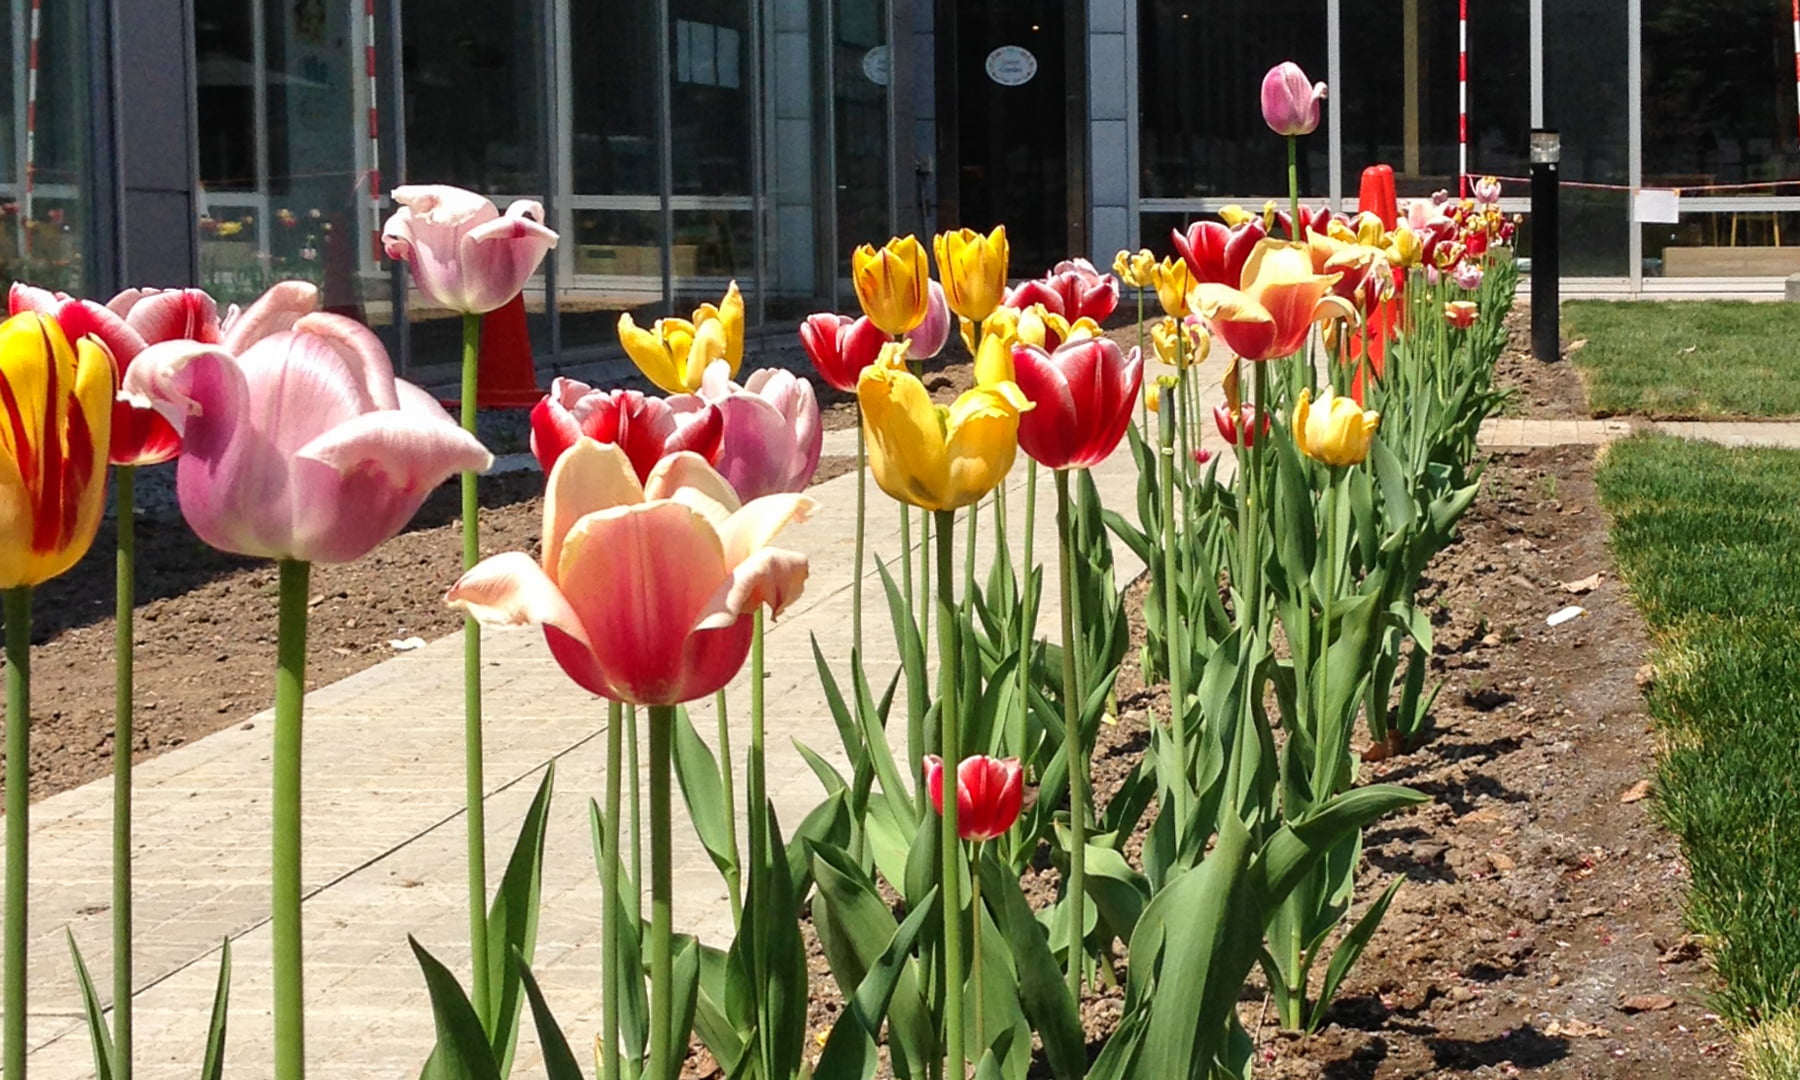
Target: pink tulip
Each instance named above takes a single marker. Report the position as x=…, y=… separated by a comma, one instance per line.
x=644, y=590
x=1467, y=275
x=772, y=432
x=305, y=446
x=1040, y=291
x=1290, y=102
x=127, y=325
x=1487, y=190
x=926, y=340
x=840, y=347
x=465, y=255
x=642, y=426
x=1087, y=292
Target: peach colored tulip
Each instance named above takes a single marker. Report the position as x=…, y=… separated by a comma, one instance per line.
x=644, y=591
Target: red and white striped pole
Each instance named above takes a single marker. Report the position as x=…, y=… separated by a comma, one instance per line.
x=375, y=128
x=1462, y=96
x=29, y=180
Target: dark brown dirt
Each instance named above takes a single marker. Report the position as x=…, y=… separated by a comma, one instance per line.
x=1540, y=391
x=205, y=627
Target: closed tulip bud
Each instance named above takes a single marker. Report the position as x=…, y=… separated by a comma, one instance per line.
x=1083, y=393
x=990, y=793
x=1134, y=268
x=1173, y=280
x=840, y=347
x=973, y=268
x=464, y=254
x=1461, y=313
x=1487, y=190
x=927, y=339
x=933, y=457
x=892, y=283
x=1334, y=430
x=1239, y=426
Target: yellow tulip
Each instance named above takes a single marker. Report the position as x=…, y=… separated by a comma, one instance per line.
x=1134, y=268
x=1173, y=280
x=1235, y=215
x=1335, y=430
x=674, y=353
x=1405, y=248
x=933, y=457
x=1003, y=323
x=973, y=270
x=1163, y=340
x=1153, y=389
x=893, y=283
x=54, y=439
x=730, y=314
x=994, y=361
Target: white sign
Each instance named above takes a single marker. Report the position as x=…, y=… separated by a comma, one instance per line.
x=876, y=65
x=1659, y=206
x=1011, y=65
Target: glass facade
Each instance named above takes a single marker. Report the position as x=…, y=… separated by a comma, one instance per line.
x=678, y=145
x=44, y=194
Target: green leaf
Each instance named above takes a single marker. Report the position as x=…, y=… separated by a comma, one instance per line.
x=212, y=1066
x=462, y=1051
x=512, y=924
x=98, y=1031
x=850, y=1050
x=1349, y=950
x=852, y=922
x=1296, y=848
x=703, y=790
x=559, y=1060
x=1043, y=994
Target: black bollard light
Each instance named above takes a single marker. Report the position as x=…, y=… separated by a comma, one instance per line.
x=1546, y=263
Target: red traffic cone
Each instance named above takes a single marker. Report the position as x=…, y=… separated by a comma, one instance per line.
x=505, y=377
x=1377, y=194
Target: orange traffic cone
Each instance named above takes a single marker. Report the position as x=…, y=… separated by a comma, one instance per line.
x=505, y=376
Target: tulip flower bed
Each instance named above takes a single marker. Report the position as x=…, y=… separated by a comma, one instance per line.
x=1081, y=854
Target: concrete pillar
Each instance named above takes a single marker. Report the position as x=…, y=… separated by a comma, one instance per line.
x=152, y=142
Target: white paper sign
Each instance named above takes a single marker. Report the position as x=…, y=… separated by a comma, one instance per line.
x=1011, y=65
x=1659, y=205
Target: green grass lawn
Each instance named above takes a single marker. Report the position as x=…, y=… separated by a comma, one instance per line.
x=1709, y=540
x=1691, y=359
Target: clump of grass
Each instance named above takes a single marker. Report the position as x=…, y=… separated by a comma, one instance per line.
x=1693, y=360
x=1771, y=1049
x=1709, y=540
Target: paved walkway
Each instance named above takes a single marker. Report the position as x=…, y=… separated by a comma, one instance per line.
x=1512, y=433
x=384, y=827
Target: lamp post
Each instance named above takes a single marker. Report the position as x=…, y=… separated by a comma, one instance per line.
x=1546, y=269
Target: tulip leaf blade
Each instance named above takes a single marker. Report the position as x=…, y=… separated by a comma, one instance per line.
x=559, y=1060
x=1043, y=995
x=702, y=789
x=212, y=1065
x=99, y=1033
x=462, y=1051
x=512, y=923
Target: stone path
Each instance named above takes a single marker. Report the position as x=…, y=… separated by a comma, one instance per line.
x=384, y=826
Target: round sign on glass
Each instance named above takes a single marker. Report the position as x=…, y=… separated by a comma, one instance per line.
x=1011, y=65
x=876, y=65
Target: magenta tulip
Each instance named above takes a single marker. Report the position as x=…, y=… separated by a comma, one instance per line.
x=840, y=347
x=305, y=446
x=926, y=340
x=1083, y=395
x=644, y=591
x=773, y=436
x=990, y=793
x=642, y=426
x=1290, y=102
x=1037, y=292
x=465, y=255
x=1087, y=292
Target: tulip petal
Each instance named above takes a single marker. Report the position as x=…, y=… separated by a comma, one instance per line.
x=169, y=314
x=275, y=310
x=771, y=576
x=588, y=478
x=905, y=437
x=511, y=589
x=641, y=579
x=364, y=357
x=496, y=258
x=758, y=522
x=983, y=442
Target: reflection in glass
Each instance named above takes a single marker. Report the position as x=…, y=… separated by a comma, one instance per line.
x=1734, y=242
x=711, y=247
x=710, y=97
x=474, y=94
x=1718, y=106
x=1403, y=109
x=612, y=104
x=1588, y=95
x=1200, y=77
x=860, y=75
x=43, y=182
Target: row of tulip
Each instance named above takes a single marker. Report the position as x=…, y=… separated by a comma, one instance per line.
x=658, y=564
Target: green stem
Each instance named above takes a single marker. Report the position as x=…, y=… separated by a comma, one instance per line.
x=916, y=747
x=632, y=777
x=664, y=1059
x=290, y=700
x=1177, y=658
x=475, y=788
x=974, y=516
x=613, y=977
x=756, y=790
x=734, y=880
x=862, y=507
x=975, y=951
x=18, y=810
x=125, y=601
x=944, y=569
x=1073, y=751
x=949, y=840
x=1294, y=232
x=1143, y=402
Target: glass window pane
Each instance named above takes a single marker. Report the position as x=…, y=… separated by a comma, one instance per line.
x=861, y=67
x=710, y=98
x=711, y=247
x=474, y=94
x=1752, y=241
x=1718, y=106
x=43, y=201
x=613, y=104
x=1200, y=83
x=1588, y=95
